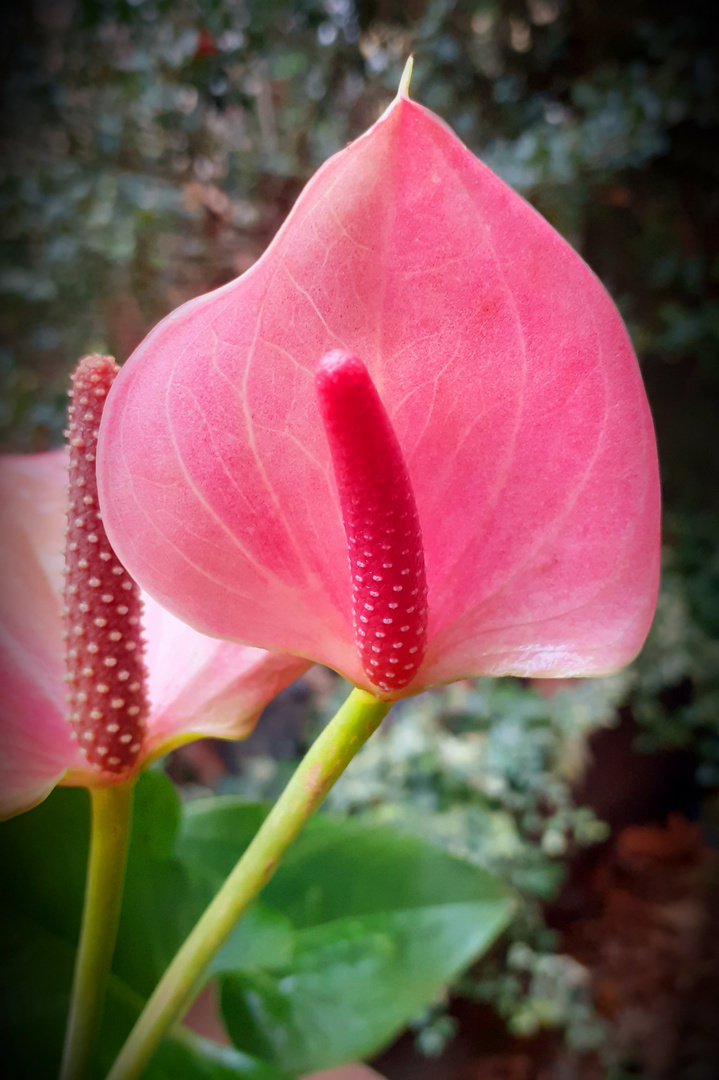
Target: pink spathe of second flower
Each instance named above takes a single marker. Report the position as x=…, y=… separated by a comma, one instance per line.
x=197, y=686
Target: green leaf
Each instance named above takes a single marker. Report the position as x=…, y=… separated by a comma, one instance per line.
x=336, y=867
x=263, y=938
x=359, y=930
x=43, y=855
x=353, y=984
x=383, y=922
x=37, y=968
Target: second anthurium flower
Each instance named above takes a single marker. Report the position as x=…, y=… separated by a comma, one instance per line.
x=129, y=681
x=421, y=363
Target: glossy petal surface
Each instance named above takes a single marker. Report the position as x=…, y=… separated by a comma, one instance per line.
x=202, y=686
x=198, y=686
x=506, y=373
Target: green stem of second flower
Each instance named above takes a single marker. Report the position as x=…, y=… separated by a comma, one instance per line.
x=328, y=757
x=109, y=840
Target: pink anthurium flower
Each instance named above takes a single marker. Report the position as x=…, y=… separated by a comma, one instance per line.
x=196, y=686
x=504, y=423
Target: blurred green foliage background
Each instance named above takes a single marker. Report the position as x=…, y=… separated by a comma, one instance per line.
x=151, y=149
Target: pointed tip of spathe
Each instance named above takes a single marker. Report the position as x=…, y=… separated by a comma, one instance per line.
x=403, y=88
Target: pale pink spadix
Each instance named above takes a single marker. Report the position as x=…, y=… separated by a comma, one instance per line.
x=106, y=674
x=384, y=538
x=506, y=375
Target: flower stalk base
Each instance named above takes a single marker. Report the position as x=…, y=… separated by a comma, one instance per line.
x=109, y=841
x=326, y=760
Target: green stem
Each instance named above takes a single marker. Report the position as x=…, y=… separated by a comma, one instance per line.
x=110, y=835
x=326, y=760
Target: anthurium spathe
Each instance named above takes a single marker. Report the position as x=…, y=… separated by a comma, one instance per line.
x=506, y=375
x=197, y=686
